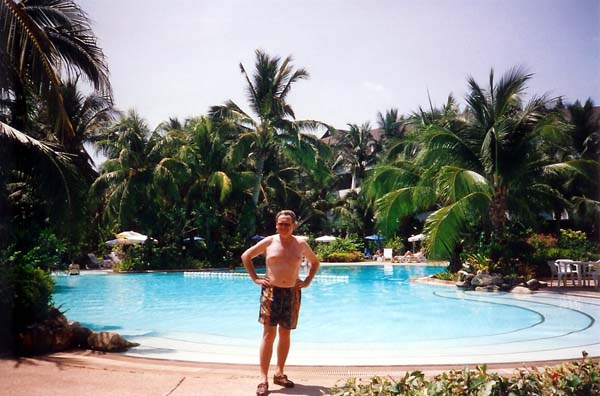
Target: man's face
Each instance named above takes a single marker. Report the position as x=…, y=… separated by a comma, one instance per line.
x=285, y=225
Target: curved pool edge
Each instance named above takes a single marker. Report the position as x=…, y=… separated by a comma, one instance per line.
x=529, y=351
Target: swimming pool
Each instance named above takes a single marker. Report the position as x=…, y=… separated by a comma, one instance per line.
x=350, y=315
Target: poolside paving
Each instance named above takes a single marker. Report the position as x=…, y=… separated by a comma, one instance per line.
x=88, y=373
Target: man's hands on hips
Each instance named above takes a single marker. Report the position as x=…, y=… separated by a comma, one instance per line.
x=263, y=282
x=301, y=284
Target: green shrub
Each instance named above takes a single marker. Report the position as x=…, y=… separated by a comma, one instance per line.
x=577, y=245
x=480, y=262
x=47, y=252
x=326, y=251
x=542, y=241
x=29, y=288
x=397, y=245
x=446, y=275
x=33, y=295
x=345, y=257
x=573, y=379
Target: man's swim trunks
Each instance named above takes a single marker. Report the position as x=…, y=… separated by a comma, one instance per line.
x=280, y=306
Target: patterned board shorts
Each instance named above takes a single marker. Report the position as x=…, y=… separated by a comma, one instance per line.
x=280, y=306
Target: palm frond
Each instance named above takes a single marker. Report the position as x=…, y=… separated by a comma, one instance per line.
x=222, y=182
x=444, y=226
x=49, y=166
x=394, y=206
x=584, y=168
x=455, y=183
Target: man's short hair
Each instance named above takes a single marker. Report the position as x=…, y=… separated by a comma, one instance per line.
x=286, y=212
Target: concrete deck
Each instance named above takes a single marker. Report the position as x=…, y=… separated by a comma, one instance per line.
x=87, y=373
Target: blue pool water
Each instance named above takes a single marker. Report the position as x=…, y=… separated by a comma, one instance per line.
x=350, y=303
x=370, y=305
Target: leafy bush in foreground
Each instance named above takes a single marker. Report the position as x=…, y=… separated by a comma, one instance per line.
x=573, y=379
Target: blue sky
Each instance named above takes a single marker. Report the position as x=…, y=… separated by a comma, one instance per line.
x=178, y=57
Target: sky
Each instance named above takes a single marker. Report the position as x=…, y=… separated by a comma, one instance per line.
x=177, y=58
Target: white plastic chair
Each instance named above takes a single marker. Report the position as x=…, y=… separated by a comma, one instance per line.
x=388, y=254
x=564, y=270
x=553, y=269
x=587, y=273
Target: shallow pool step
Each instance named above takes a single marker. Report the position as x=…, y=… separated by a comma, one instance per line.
x=222, y=274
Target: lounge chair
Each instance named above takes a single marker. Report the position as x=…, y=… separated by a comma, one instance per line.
x=115, y=258
x=73, y=269
x=99, y=264
x=418, y=257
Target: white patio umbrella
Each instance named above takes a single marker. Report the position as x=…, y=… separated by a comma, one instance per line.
x=415, y=238
x=128, y=238
x=325, y=238
x=120, y=242
x=132, y=236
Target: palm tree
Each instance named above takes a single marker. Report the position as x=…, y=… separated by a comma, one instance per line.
x=356, y=151
x=275, y=133
x=42, y=40
x=392, y=124
x=478, y=167
x=135, y=176
x=26, y=164
x=581, y=190
x=208, y=179
x=89, y=115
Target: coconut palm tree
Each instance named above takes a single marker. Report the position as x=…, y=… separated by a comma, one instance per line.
x=42, y=40
x=581, y=190
x=392, y=124
x=356, y=150
x=135, y=177
x=208, y=181
x=275, y=133
x=27, y=165
x=89, y=115
x=479, y=167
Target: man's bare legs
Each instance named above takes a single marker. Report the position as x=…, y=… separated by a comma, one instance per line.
x=266, y=350
x=283, y=347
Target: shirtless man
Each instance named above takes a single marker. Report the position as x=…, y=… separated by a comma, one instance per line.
x=280, y=296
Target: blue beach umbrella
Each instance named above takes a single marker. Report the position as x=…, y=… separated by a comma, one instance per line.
x=375, y=237
x=257, y=238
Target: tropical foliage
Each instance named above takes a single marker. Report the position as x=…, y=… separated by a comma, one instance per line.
x=578, y=378
x=44, y=172
x=274, y=140
x=478, y=169
x=476, y=181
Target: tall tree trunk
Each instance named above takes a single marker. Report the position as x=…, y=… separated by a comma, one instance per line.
x=557, y=218
x=20, y=108
x=498, y=213
x=260, y=165
x=353, y=182
x=454, y=264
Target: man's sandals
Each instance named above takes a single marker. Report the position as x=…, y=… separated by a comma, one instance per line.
x=283, y=381
x=263, y=388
